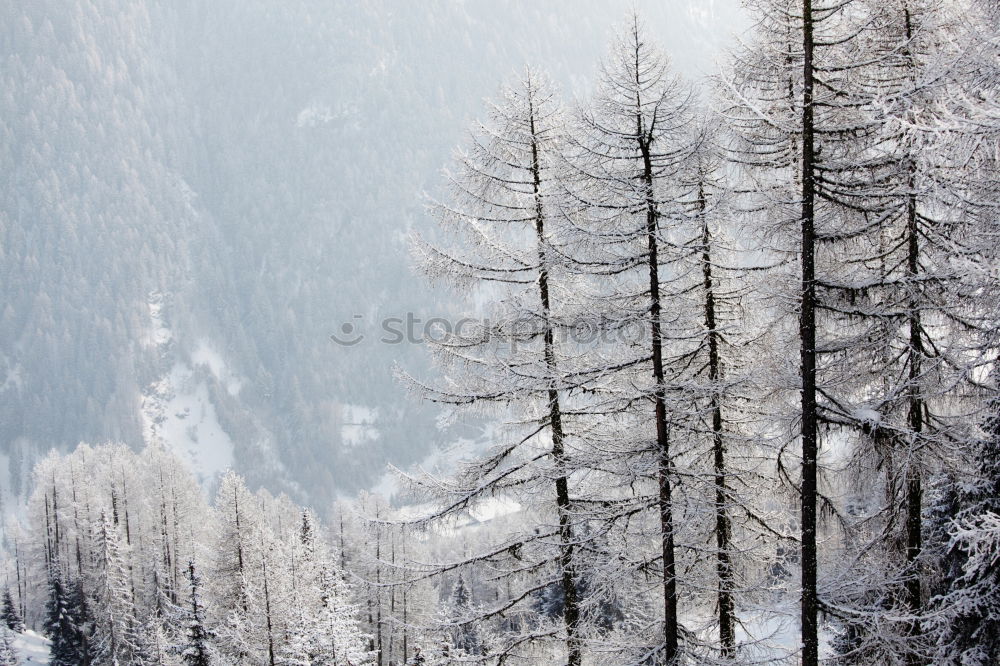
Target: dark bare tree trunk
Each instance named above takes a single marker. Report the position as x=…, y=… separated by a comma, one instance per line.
x=55, y=522
x=723, y=529
x=48, y=538
x=176, y=534
x=406, y=646
x=378, y=592
x=267, y=610
x=168, y=566
x=807, y=334
x=21, y=584
x=670, y=633
x=76, y=525
x=914, y=490
x=571, y=610
x=239, y=550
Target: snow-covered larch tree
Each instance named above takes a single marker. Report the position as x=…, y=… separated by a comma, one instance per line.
x=504, y=213
x=797, y=121
x=630, y=144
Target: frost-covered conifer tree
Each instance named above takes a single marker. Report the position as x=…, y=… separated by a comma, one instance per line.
x=323, y=624
x=966, y=616
x=345, y=640
x=9, y=615
x=797, y=122
x=465, y=636
x=631, y=143
x=118, y=629
x=8, y=657
x=905, y=295
x=713, y=348
x=505, y=211
x=195, y=650
x=838, y=112
x=66, y=624
x=234, y=561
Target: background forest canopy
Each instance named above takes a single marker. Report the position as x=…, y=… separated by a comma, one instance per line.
x=197, y=194
x=783, y=446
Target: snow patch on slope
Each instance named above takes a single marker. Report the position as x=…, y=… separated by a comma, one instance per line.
x=205, y=355
x=32, y=648
x=178, y=412
x=442, y=462
x=358, y=425
x=159, y=333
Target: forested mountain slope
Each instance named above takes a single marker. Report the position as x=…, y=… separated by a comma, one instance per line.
x=195, y=195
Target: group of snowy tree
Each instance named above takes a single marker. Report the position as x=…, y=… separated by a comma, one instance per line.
x=742, y=342
x=123, y=561
x=737, y=370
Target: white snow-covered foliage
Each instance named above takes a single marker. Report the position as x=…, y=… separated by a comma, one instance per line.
x=793, y=305
x=123, y=561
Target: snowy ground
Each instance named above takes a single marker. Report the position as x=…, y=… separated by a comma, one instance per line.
x=31, y=648
x=177, y=410
x=359, y=425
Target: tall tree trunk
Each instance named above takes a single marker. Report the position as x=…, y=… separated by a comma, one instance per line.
x=55, y=522
x=807, y=334
x=406, y=646
x=176, y=536
x=343, y=551
x=165, y=543
x=76, y=525
x=571, y=610
x=21, y=585
x=670, y=630
x=723, y=529
x=267, y=610
x=239, y=550
x=128, y=536
x=914, y=490
x=378, y=592
x=48, y=539
x=390, y=641
x=670, y=633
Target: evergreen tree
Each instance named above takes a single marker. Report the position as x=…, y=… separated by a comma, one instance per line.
x=119, y=636
x=8, y=657
x=906, y=291
x=195, y=651
x=344, y=641
x=807, y=139
x=465, y=635
x=633, y=139
x=9, y=615
x=66, y=624
x=234, y=583
x=969, y=606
